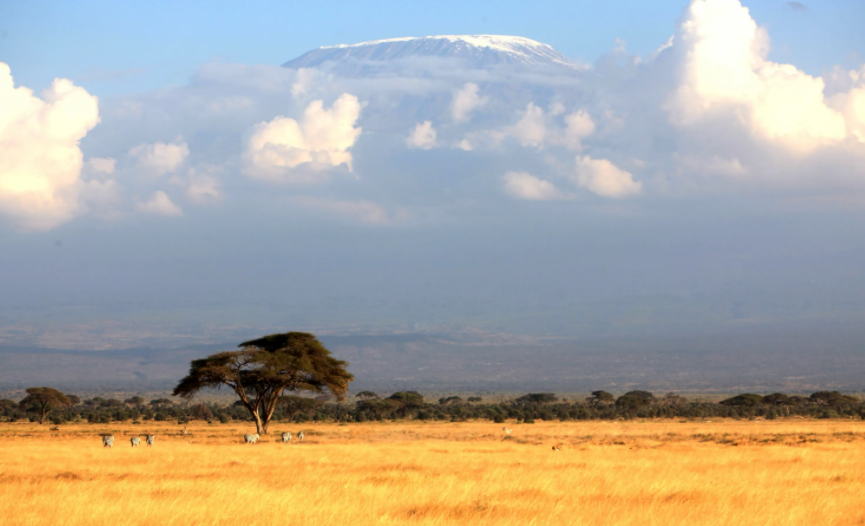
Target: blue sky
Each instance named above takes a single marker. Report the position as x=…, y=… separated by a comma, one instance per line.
x=125, y=47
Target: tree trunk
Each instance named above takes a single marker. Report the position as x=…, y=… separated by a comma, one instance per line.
x=260, y=427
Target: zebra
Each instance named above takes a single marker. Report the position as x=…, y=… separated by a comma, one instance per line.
x=107, y=441
x=507, y=430
x=300, y=436
x=251, y=439
x=149, y=439
x=286, y=437
x=135, y=441
x=558, y=447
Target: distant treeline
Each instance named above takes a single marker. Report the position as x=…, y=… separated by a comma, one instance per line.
x=46, y=404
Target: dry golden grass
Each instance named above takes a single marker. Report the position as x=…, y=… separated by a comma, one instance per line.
x=652, y=473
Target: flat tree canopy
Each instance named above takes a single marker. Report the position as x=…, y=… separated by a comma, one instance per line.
x=44, y=399
x=263, y=369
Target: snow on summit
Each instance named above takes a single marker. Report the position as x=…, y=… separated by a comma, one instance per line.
x=478, y=50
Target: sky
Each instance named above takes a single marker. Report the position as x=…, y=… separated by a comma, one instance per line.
x=699, y=169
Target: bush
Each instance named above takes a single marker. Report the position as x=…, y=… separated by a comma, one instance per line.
x=529, y=420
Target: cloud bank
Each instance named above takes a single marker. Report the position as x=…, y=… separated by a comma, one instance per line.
x=708, y=113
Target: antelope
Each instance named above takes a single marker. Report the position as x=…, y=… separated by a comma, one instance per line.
x=507, y=430
x=558, y=447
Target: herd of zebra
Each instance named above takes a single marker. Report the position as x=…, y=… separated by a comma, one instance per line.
x=108, y=440
x=286, y=437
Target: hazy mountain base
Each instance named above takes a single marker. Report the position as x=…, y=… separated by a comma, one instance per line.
x=788, y=361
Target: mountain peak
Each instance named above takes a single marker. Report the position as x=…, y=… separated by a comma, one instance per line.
x=480, y=51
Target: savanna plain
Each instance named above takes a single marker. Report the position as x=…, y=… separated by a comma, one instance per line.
x=794, y=471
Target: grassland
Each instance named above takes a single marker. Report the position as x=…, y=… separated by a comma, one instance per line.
x=631, y=473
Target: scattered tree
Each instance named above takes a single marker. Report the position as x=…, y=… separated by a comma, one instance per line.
x=536, y=398
x=263, y=369
x=44, y=399
x=599, y=398
x=744, y=400
x=295, y=405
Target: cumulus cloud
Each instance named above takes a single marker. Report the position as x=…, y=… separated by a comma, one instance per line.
x=579, y=125
x=287, y=151
x=466, y=101
x=531, y=129
x=422, y=136
x=159, y=204
x=603, y=178
x=40, y=160
x=160, y=158
x=522, y=185
x=725, y=73
x=202, y=187
x=538, y=129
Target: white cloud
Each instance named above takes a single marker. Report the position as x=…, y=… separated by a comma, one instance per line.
x=283, y=150
x=579, y=125
x=159, y=204
x=40, y=161
x=537, y=128
x=304, y=81
x=364, y=212
x=99, y=165
x=160, y=158
x=531, y=129
x=423, y=136
x=202, y=187
x=523, y=185
x=101, y=199
x=466, y=101
x=725, y=72
x=602, y=177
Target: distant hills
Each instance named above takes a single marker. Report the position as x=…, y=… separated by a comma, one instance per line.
x=793, y=361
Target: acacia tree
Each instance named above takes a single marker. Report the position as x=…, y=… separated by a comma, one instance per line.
x=263, y=369
x=45, y=399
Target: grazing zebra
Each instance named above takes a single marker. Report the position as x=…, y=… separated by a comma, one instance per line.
x=107, y=441
x=558, y=447
x=286, y=437
x=300, y=436
x=135, y=441
x=251, y=439
x=149, y=439
x=507, y=430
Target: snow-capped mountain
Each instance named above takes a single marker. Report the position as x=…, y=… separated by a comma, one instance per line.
x=478, y=51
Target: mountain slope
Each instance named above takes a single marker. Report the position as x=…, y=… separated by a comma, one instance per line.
x=479, y=51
